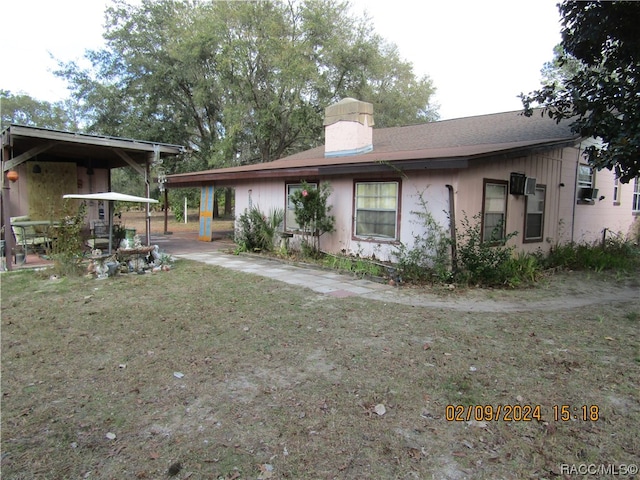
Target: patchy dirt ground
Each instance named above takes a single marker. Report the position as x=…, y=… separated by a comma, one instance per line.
x=202, y=372
x=137, y=219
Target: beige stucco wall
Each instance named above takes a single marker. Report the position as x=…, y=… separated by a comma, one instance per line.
x=585, y=223
x=267, y=194
x=433, y=190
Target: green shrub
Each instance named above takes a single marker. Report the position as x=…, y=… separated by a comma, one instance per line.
x=359, y=266
x=483, y=263
x=256, y=231
x=67, y=248
x=520, y=270
x=429, y=257
x=495, y=263
x=616, y=254
x=312, y=215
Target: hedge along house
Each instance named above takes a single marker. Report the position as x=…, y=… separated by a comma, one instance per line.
x=51, y=163
x=518, y=174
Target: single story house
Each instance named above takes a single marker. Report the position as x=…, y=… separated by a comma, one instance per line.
x=516, y=173
x=51, y=163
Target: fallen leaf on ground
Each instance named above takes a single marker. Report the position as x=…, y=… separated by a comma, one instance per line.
x=266, y=471
x=475, y=423
x=174, y=469
x=414, y=453
x=380, y=409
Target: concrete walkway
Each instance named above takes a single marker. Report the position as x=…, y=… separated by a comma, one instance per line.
x=185, y=245
x=318, y=280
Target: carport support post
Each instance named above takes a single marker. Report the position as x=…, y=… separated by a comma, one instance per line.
x=8, y=233
x=147, y=174
x=166, y=211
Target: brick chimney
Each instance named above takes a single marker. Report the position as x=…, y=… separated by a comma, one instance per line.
x=348, y=128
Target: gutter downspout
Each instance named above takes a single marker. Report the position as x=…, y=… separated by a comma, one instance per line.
x=452, y=228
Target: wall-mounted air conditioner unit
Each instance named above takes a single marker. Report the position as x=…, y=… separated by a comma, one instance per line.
x=588, y=194
x=530, y=186
x=516, y=183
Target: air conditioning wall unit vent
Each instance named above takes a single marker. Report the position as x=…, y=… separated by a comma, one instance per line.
x=530, y=186
x=516, y=183
x=588, y=194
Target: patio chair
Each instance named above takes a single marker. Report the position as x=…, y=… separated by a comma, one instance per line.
x=99, y=235
x=28, y=237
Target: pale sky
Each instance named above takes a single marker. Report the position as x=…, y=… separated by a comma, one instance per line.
x=479, y=54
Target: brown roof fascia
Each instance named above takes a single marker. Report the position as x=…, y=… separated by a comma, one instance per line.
x=199, y=179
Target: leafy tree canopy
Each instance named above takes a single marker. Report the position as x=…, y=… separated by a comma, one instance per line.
x=22, y=109
x=240, y=82
x=595, y=80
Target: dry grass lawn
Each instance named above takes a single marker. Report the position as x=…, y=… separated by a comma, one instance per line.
x=206, y=373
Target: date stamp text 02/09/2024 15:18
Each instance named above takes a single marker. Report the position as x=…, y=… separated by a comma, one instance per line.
x=520, y=413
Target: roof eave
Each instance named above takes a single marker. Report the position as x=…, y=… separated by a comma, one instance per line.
x=374, y=162
x=21, y=131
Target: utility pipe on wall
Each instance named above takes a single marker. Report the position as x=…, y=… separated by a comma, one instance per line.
x=452, y=227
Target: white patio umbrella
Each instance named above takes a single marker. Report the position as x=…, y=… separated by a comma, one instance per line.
x=111, y=197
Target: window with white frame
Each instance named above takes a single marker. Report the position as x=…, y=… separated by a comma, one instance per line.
x=616, y=190
x=636, y=195
x=534, y=217
x=494, y=210
x=290, y=217
x=585, y=176
x=376, y=210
